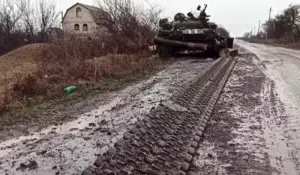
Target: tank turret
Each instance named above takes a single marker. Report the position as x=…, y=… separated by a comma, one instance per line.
x=190, y=33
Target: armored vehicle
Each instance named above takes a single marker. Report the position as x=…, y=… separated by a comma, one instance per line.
x=190, y=34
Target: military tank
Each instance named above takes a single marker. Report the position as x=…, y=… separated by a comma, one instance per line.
x=190, y=34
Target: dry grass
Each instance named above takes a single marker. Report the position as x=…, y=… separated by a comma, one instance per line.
x=290, y=45
x=15, y=65
x=21, y=60
x=17, y=58
x=40, y=72
x=276, y=42
x=35, y=73
x=269, y=41
x=123, y=64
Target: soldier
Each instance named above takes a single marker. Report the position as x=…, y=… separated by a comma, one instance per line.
x=203, y=16
x=179, y=17
x=192, y=17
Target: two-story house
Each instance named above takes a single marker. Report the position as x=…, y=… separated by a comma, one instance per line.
x=82, y=19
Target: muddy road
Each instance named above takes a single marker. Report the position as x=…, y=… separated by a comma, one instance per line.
x=255, y=127
x=282, y=69
x=247, y=124
x=67, y=148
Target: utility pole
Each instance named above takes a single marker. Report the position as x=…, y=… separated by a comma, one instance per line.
x=258, y=27
x=269, y=22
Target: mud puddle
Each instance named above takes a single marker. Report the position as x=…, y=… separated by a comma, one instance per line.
x=70, y=147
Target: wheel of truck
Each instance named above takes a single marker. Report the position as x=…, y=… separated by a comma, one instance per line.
x=164, y=52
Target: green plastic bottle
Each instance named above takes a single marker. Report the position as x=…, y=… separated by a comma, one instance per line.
x=70, y=89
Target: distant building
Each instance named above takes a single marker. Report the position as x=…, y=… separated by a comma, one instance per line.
x=82, y=19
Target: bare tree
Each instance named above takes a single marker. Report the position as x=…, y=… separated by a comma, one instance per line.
x=9, y=18
x=223, y=31
x=9, y=15
x=150, y=20
x=285, y=25
x=47, y=17
x=132, y=26
x=24, y=20
x=117, y=15
x=29, y=17
x=292, y=16
x=247, y=35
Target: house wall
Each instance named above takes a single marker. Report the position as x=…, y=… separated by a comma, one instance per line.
x=70, y=20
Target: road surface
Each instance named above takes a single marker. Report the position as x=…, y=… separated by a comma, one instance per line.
x=282, y=68
x=254, y=128
x=67, y=148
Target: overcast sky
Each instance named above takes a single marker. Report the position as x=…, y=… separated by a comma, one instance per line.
x=238, y=16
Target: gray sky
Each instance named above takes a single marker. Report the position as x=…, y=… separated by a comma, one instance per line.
x=238, y=16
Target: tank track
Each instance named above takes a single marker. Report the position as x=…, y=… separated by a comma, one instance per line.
x=166, y=141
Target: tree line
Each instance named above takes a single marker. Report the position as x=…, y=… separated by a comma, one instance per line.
x=133, y=26
x=284, y=26
x=23, y=21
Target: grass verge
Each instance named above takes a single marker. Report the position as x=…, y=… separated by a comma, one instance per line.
x=276, y=43
x=27, y=115
x=62, y=63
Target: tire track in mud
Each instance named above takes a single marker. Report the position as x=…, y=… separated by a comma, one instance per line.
x=279, y=127
x=246, y=134
x=281, y=66
x=69, y=147
x=234, y=142
x=167, y=139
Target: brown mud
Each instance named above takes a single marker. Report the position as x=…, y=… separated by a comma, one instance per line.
x=250, y=131
x=69, y=147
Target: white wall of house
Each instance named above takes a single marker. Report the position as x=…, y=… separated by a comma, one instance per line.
x=71, y=19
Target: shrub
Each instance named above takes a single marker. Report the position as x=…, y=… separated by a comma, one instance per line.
x=70, y=61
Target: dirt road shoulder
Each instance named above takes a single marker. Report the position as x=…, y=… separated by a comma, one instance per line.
x=108, y=117
x=244, y=134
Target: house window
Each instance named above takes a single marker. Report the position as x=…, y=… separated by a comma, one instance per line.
x=78, y=12
x=85, y=27
x=76, y=27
